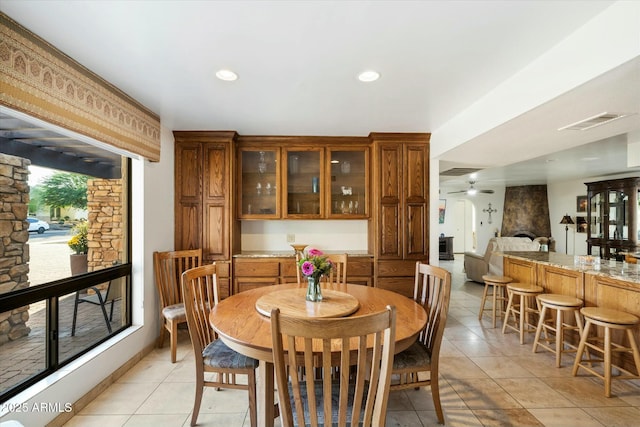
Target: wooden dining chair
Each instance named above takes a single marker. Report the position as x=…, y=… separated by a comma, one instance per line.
x=319, y=344
x=432, y=289
x=168, y=268
x=200, y=291
x=338, y=273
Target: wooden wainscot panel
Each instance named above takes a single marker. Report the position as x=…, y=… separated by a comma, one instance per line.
x=602, y=291
x=520, y=270
x=555, y=280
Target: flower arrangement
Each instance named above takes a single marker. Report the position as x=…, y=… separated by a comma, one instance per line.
x=314, y=264
x=80, y=242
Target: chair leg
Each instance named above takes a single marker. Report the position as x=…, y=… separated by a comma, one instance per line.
x=253, y=411
x=435, y=393
x=75, y=314
x=174, y=341
x=198, y=399
x=163, y=327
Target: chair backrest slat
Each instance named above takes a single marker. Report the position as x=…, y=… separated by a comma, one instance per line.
x=360, y=345
x=200, y=290
x=169, y=267
x=432, y=290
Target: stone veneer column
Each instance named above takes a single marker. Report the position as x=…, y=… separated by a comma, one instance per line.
x=104, y=206
x=14, y=235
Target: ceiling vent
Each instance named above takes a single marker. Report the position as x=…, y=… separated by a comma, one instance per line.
x=458, y=171
x=594, y=121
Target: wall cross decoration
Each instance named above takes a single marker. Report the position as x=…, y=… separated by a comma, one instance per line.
x=489, y=211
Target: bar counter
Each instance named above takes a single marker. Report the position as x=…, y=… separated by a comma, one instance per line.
x=612, y=284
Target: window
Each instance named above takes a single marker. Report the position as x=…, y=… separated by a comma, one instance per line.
x=58, y=300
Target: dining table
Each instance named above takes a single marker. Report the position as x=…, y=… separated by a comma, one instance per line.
x=242, y=322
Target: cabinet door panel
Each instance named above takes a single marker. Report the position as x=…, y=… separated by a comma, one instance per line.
x=215, y=233
x=189, y=172
x=390, y=173
x=416, y=237
x=416, y=187
x=215, y=173
x=390, y=231
x=189, y=236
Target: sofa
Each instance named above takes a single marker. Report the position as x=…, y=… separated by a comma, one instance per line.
x=475, y=265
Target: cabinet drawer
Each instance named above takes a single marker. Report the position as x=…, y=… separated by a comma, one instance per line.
x=396, y=268
x=359, y=267
x=222, y=268
x=288, y=268
x=257, y=268
x=244, y=284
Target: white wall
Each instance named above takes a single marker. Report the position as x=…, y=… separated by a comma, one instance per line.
x=152, y=226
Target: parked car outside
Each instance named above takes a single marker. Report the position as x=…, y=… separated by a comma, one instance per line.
x=37, y=225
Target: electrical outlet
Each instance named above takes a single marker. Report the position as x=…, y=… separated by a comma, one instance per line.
x=291, y=238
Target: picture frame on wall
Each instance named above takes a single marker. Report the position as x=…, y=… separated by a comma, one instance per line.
x=581, y=224
x=581, y=203
x=442, y=207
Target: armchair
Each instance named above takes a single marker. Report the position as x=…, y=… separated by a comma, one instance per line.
x=475, y=265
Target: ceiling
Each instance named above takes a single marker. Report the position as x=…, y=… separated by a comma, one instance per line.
x=297, y=64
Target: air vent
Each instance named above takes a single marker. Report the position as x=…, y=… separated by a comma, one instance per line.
x=458, y=171
x=594, y=121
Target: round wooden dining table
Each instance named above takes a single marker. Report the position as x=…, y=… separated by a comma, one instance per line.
x=240, y=325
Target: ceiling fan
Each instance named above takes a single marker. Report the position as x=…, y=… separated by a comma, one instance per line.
x=471, y=191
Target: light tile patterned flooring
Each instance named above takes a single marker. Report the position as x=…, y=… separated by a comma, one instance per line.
x=487, y=379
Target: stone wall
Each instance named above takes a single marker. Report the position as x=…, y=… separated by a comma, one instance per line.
x=526, y=211
x=105, y=210
x=14, y=235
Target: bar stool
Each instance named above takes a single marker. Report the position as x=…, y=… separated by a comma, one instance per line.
x=497, y=283
x=562, y=304
x=521, y=310
x=608, y=319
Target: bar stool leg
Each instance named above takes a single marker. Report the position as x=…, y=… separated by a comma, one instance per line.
x=539, y=328
x=493, y=308
x=607, y=362
x=483, y=301
x=523, y=315
x=559, y=337
x=508, y=312
x=581, y=346
x=634, y=349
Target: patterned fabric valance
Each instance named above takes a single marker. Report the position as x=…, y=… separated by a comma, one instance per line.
x=39, y=80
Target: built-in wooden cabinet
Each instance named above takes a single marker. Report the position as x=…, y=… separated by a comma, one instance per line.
x=399, y=234
x=203, y=193
x=222, y=178
x=612, y=217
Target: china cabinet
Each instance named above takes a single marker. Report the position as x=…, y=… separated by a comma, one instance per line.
x=612, y=216
x=304, y=182
x=348, y=177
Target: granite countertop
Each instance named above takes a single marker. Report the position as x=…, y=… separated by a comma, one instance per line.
x=290, y=253
x=608, y=268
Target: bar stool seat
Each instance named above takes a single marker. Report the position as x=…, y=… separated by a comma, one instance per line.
x=608, y=319
x=562, y=304
x=521, y=310
x=497, y=283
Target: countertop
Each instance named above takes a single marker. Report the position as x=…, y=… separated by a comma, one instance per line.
x=608, y=268
x=290, y=253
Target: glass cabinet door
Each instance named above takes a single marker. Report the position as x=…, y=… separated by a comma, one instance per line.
x=259, y=171
x=618, y=219
x=596, y=205
x=348, y=177
x=304, y=180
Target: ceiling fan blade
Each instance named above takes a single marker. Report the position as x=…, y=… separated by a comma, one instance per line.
x=486, y=191
x=457, y=192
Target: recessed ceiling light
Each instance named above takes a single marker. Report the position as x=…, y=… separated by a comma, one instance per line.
x=368, y=76
x=335, y=161
x=226, y=75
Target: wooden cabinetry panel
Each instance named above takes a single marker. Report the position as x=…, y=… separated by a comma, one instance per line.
x=188, y=172
x=416, y=239
x=216, y=172
x=520, y=271
x=389, y=231
x=556, y=280
x=415, y=167
x=257, y=268
x=396, y=268
x=216, y=231
x=402, y=285
x=188, y=233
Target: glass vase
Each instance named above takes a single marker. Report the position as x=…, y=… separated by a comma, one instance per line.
x=314, y=293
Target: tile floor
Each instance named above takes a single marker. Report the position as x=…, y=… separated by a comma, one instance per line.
x=487, y=379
